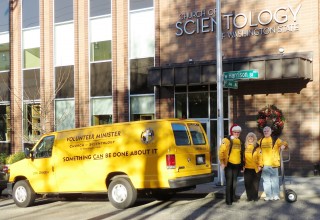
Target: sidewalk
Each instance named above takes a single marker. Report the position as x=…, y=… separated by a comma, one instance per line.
x=304, y=187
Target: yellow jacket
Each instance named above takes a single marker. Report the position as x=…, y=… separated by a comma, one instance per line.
x=253, y=160
x=235, y=154
x=271, y=154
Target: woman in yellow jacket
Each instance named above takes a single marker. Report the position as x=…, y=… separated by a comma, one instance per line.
x=231, y=161
x=252, y=167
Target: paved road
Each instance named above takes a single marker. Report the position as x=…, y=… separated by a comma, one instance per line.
x=184, y=206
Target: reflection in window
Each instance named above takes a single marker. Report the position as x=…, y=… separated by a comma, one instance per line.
x=31, y=122
x=64, y=82
x=101, y=35
x=101, y=79
x=4, y=123
x=180, y=134
x=101, y=111
x=198, y=105
x=44, y=148
x=31, y=84
x=196, y=134
x=142, y=107
x=64, y=114
x=181, y=105
x=139, y=75
x=64, y=44
x=100, y=7
x=30, y=13
x=4, y=86
x=63, y=10
x=4, y=52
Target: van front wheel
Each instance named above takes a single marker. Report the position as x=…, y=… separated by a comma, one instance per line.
x=23, y=195
x=121, y=193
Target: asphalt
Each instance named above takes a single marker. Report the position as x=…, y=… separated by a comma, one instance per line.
x=304, y=187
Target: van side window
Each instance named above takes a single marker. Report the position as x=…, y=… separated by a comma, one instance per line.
x=197, y=134
x=44, y=148
x=180, y=134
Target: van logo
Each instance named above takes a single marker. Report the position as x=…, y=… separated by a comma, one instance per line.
x=147, y=136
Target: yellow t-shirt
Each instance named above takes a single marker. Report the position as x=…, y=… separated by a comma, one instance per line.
x=250, y=163
x=235, y=154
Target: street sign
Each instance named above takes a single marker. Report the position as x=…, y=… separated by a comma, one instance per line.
x=241, y=74
x=231, y=84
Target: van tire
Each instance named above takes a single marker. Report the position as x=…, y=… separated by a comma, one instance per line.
x=121, y=193
x=23, y=194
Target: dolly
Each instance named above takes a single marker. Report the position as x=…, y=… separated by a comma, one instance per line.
x=289, y=194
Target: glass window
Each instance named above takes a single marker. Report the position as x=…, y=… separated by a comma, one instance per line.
x=4, y=86
x=213, y=138
x=102, y=111
x=180, y=134
x=4, y=122
x=198, y=105
x=142, y=107
x=30, y=13
x=4, y=52
x=31, y=122
x=100, y=7
x=64, y=114
x=139, y=4
x=4, y=16
x=181, y=105
x=142, y=37
x=64, y=44
x=31, y=84
x=63, y=10
x=101, y=79
x=64, y=82
x=44, y=148
x=196, y=134
x=139, y=75
x=101, y=36
x=31, y=48
x=213, y=104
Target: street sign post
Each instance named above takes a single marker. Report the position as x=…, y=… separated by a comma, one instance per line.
x=241, y=74
x=230, y=84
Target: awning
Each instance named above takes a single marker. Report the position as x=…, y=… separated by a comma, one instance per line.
x=270, y=67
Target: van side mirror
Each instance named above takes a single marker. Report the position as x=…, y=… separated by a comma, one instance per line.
x=28, y=154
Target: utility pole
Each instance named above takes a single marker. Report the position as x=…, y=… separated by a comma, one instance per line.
x=220, y=128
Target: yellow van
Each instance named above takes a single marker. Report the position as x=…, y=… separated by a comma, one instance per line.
x=159, y=156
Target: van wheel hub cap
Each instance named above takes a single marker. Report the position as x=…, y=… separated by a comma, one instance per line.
x=119, y=193
x=21, y=194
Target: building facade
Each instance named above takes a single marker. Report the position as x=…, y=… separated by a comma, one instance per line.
x=67, y=64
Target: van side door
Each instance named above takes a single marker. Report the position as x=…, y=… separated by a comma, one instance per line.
x=43, y=176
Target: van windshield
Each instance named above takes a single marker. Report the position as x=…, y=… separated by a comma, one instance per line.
x=180, y=134
x=197, y=134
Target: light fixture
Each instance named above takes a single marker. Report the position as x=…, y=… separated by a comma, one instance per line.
x=281, y=50
x=3, y=58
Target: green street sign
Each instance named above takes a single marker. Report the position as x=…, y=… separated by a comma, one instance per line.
x=241, y=74
x=230, y=84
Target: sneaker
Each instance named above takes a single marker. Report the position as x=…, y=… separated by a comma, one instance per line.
x=276, y=198
x=268, y=199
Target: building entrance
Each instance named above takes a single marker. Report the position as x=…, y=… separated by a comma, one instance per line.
x=200, y=103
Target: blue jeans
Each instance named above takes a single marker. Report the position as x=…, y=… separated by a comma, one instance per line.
x=270, y=178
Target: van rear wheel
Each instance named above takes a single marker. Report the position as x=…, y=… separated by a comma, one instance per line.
x=121, y=193
x=23, y=194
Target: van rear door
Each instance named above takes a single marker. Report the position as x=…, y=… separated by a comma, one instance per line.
x=192, y=154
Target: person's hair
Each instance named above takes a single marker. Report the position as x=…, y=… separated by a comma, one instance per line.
x=267, y=127
x=251, y=134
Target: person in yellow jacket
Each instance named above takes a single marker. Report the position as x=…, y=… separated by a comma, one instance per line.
x=271, y=147
x=253, y=164
x=231, y=160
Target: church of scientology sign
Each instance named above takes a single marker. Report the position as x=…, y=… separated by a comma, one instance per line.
x=244, y=24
